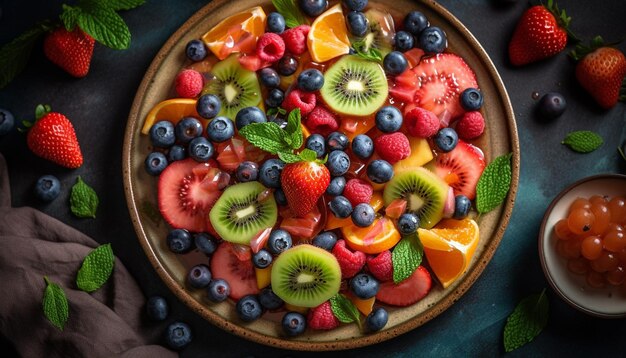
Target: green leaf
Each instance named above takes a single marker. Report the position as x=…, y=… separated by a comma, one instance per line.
x=371, y=54
x=14, y=55
x=83, y=200
x=291, y=12
x=55, y=306
x=267, y=136
x=494, y=184
x=289, y=157
x=96, y=268
x=308, y=155
x=122, y=4
x=406, y=257
x=526, y=322
x=344, y=309
x=41, y=110
x=294, y=129
x=105, y=26
x=583, y=141
x=70, y=16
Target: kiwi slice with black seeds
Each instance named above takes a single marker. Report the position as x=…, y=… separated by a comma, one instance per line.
x=305, y=276
x=355, y=86
x=424, y=192
x=380, y=33
x=241, y=212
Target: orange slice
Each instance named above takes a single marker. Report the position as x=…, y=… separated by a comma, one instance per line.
x=237, y=33
x=172, y=110
x=328, y=37
x=449, y=247
x=380, y=236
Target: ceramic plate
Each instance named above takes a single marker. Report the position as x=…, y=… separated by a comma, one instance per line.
x=499, y=138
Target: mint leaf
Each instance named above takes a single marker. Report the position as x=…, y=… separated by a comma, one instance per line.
x=526, y=322
x=14, y=55
x=55, y=306
x=122, y=4
x=294, y=128
x=583, y=141
x=308, y=155
x=104, y=25
x=96, y=268
x=371, y=54
x=494, y=184
x=69, y=16
x=83, y=200
x=289, y=157
x=344, y=309
x=291, y=12
x=275, y=112
x=406, y=257
x=267, y=136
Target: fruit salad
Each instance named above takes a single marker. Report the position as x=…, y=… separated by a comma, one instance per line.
x=322, y=158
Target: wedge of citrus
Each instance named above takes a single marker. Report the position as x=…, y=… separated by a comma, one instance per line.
x=328, y=37
x=237, y=33
x=380, y=236
x=172, y=110
x=449, y=247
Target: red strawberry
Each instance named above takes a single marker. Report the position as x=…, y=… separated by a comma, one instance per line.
x=381, y=266
x=406, y=292
x=540, y=33
x=322, y=317
x=239, y=274
x=461, y=168
x=52, y=137
x=70, y=50
x=304, y=183
x=350, y=262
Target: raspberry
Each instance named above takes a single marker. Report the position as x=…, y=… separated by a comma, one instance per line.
x=358, y=191
x=295, y=39
x=421, y=123
x=321, y=121
x=322, y=317
x=300, y=99
x=471, y=125
x=350, y=262
x=381, y=266
x=189, y=83
x=392, y=147
x=270, y=47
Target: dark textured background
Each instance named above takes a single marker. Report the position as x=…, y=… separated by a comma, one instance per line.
x=98, y=106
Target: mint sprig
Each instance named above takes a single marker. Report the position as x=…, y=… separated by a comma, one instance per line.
x=83, y=200
x=55, y=306
x=494, y=184
x=583, y=141
x=406, y=257
x=14, y=55
x=96, y=268
x=371, y=54
x=526, y=322
x=344, y=309
x=291, y=12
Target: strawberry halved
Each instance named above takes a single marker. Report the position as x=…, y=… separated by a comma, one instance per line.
x=461, y=168
x=238, y=273
x=408, y=291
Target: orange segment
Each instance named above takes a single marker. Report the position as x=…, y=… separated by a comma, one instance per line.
x=237, y=33
x=328, y=37
x=380, y=236
x=263, y=276
x=172, y=110
x=364, y=306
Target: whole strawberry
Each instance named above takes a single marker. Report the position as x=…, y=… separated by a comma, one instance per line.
x=304, y=182
x=540, y=33
x=70, y=50
x=52, y=137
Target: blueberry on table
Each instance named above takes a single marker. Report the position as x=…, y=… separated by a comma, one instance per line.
x=157, y=308
x=379, y=171
x=7, y=122
x=155, y=163
x=279, y=241
x=340, y=206
x=274, y=97
x=362, y=146
x=313, y=8
x=176, y=152
x=208, y=106
x=287, y=65
x=363, y=215
x=310, y=80
x=414, y=22
x=187, y=129
x=247, y=171
x=471, y=99
x=179, y=241
x=205, y=243
x=269, y=77
x=249, y=308
x=269, y=174
x=47, y=188
x=446, y=139
x=357, y=23
x=178, y=335
x=395, y=63
x=336, y=186
x=552, y=105
x=316, y=143
x=200, y=149
x=269, y=300
x=388, y=119
x=293, y=323
x=338, y=163
x=337, y=141
x=195, y=50
x=462, y=206
x=377, y=319
x=326, y=240
x=408, y=223
x=218, y=290
x=364, y=286
x=275, y=23
x=162, y=134
x=404, y=41
x=433, y=40
x=262, y=259
x=199, y=276
x=249, y=115
x=355, y=5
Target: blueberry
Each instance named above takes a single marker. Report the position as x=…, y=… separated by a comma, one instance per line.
x=279, y=241
x=269, y=300
x=274, y=97
x=155, y=163
x=47, y=188
x=275, y=23
x=293, y=323
x=279, y=196
x=157, y=308
x=162, y=134
x=310, y=80
x=205, y=243
x=313, y=8
x=187, y=129
x=220, y=129
x=195, y=50
x=552, y=105
x=247, y=171
x=377, y=319
x=355, y=5
x=433, y=40
x=249, y=115
x=471, y=99
x=363, y=215
x=446, y=139
x=362, y=146
x=7, y=122
x=208, y=106
x=338, y=163
x=462, y=206
x=326, y=240
x=340, y=206
x=200, y=149
x=262, y=259
x=357, y=23
x=408, y=223
x=404, y=41
x=179, y=241
x=379, y=171
x=178, y=335
x=249, y=308
x=269, y=77
x=269, y=174
x=199, y=276
x=176, y=152
x=395, y=63
x=316, y=143
x=364, y=286
x=414, y=22
x=388, y=119
x=287, y=65
x=218, y=290
x=336, y=186
x=337, y=141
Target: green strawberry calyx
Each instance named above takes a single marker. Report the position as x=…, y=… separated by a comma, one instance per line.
x=561, y=18
x=40, y=111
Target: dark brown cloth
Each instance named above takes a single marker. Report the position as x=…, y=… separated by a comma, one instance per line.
x=106, y=323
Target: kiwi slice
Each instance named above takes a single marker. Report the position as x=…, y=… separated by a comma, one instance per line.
x=424, y=192
x=238, y=215
x=380, y=33
x=305, y=276
x=235, y=86
x=354, y=86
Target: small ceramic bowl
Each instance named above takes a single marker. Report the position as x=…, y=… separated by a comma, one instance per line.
x=607, y=302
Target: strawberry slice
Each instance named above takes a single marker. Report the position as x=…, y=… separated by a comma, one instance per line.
x=406, y=292
x=461, y=168
x=305, y=227
x=184, y=196
x=414, y=56
x=396, y=208
x=407, y=78
x=441, y=79
x=238, y=273
x=403, y=94
x=232, y=153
